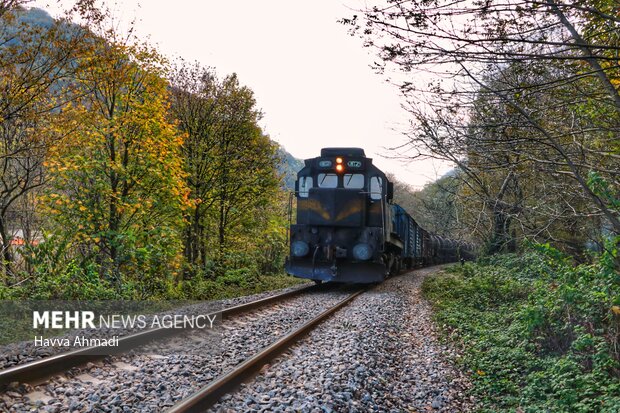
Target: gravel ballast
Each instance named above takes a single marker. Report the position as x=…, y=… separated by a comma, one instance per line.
x=380, y=353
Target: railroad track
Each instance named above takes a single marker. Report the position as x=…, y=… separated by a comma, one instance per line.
x=230, y=377
x=210, y=394
x=59, y=363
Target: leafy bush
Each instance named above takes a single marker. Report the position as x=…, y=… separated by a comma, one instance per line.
x=56, y=273
x=241, y=277
x=536, y=332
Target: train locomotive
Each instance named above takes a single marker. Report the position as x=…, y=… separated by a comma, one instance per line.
x=348, y=229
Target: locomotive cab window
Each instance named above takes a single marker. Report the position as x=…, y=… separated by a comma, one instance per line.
x=305, y=183
x=376, y=188
x=353, y=181
x=327, y=180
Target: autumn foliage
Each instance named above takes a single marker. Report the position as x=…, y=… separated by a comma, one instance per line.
x=133, y=179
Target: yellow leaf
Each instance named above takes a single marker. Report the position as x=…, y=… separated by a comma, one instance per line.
x=616, y=309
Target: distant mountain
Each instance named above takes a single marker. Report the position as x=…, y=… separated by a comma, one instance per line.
x=28, y=18
x=452, y=173
x=36, y=17
x=289, y=167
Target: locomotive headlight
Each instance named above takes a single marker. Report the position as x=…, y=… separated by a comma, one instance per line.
x=339, y=165
x=362, y=252
x=300, y=248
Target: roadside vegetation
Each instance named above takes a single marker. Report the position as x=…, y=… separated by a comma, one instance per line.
x=523, y=98
x=535, y=332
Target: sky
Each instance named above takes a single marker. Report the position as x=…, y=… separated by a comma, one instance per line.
x=311, y=79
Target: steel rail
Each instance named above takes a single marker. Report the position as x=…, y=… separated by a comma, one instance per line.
x=45, y=367
x=227, y=382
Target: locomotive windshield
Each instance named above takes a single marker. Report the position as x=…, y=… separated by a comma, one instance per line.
x=327, y=180
x=353, y=181
x=349, y=181
x=332, y=180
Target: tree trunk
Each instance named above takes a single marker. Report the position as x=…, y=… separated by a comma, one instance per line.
x=194, y=244
x=222, y=231
x=7, y=257
x=501, y=240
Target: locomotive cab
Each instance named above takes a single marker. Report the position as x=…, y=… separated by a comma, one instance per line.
x=342, y=218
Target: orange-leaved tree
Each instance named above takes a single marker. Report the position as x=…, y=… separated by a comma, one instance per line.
x=118, y=180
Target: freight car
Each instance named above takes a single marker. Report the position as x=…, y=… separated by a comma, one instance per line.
x=347, y=228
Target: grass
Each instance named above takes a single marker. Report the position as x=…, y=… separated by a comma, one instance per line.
x=238, y=283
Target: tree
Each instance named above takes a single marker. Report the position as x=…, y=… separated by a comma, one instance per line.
x=550, y=92
x=118, y=181
x=246, y=166
x=8, y=5
x=230, y=163
x=195, y=104
x=37, y=56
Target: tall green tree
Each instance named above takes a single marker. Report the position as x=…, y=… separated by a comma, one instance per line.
x=195, y=106
x=230, y=164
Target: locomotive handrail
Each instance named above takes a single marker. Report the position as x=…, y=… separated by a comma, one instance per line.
x=291, y=195
x=383, y=215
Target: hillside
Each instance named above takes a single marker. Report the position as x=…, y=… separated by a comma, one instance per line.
x=289, y=167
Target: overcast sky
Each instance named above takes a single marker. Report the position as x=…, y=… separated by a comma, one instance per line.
x=311, y=79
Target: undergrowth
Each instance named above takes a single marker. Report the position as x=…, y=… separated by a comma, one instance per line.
x=235, y=283
x=536, y=333
x=77, y=283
